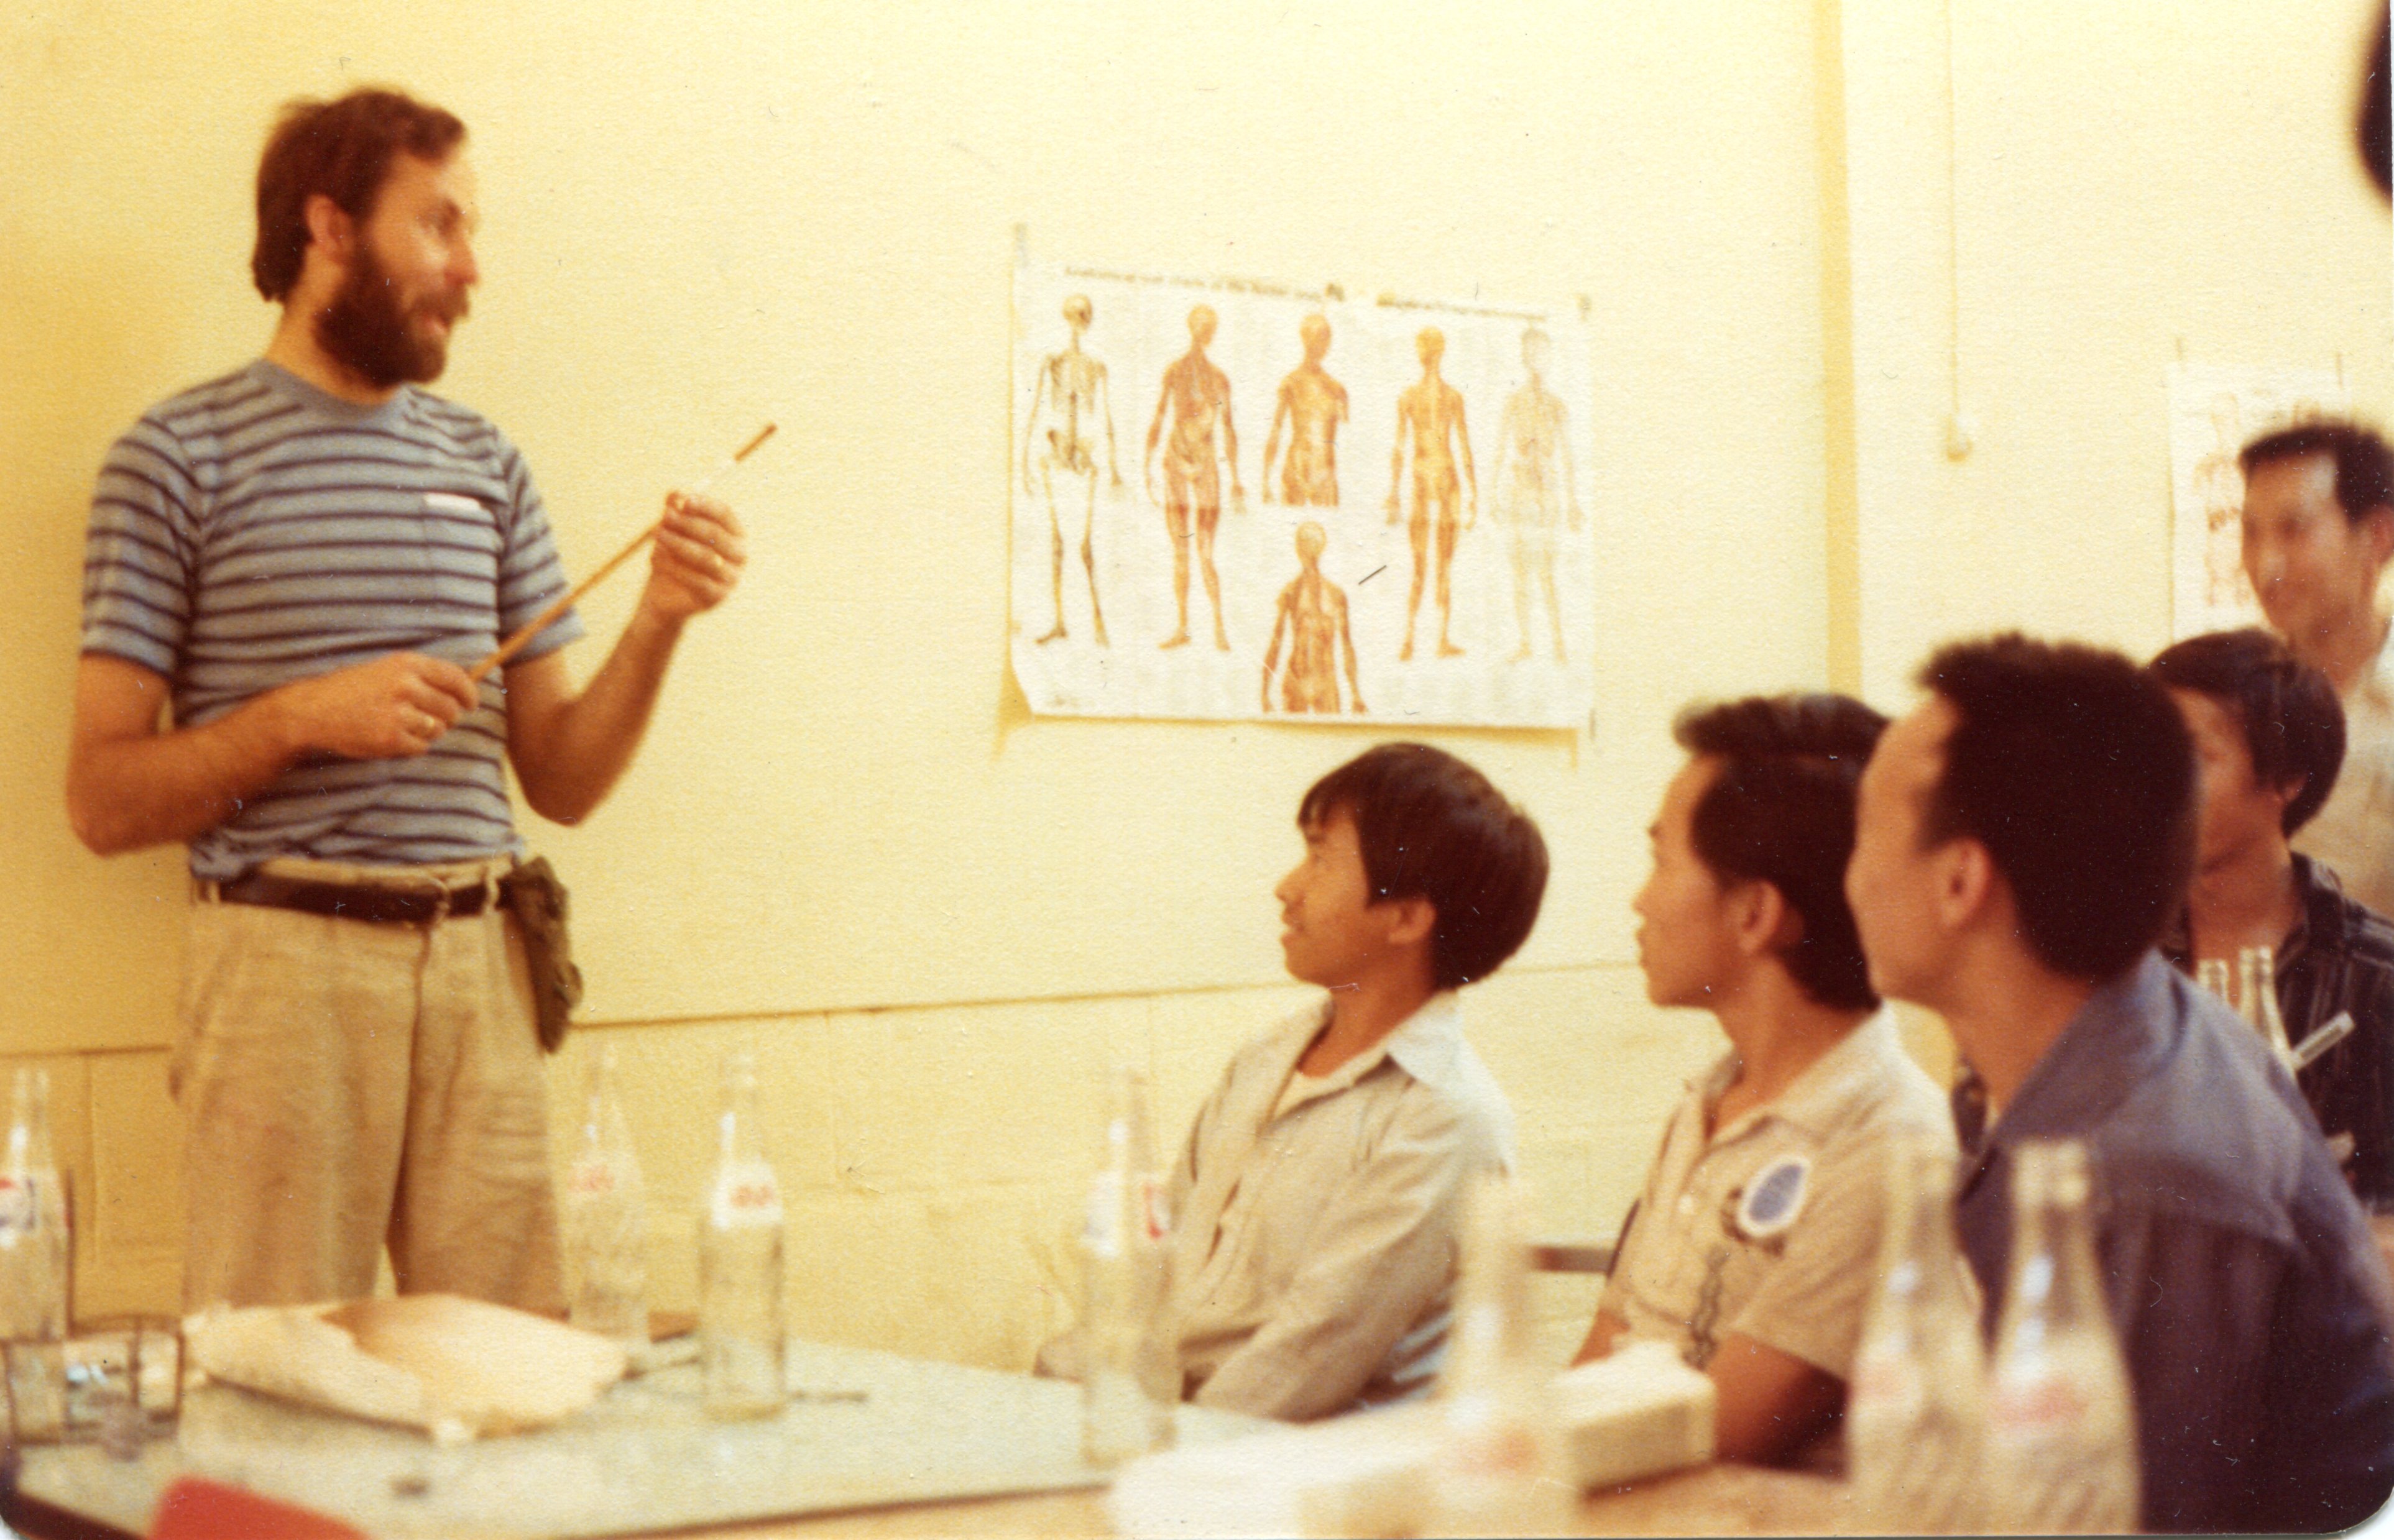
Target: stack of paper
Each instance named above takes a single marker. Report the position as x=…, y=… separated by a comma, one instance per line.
x=1639, y=1413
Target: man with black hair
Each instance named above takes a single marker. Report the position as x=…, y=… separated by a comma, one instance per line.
x=2267, y=737
x=1753, y=1245
x=2319, y=531
x=289, y=570
x=1317, y=1206
x=2023, y=839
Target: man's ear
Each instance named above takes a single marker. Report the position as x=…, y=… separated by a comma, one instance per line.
x=2286, y=791
x=1965, y=882
x=1765, y=923
x=330, y=229
x=2377, y=530
x=1413, y=922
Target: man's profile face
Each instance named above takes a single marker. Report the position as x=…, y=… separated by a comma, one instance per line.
x=1331, y=930
x=1687, y=941
x=2235, y=814
x=409, y=276
x=2314, y=569
x=1891, y=881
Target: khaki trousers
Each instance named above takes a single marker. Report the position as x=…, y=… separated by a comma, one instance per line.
x=346, y=1085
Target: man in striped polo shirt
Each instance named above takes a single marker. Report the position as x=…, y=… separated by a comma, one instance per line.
x=298, y=561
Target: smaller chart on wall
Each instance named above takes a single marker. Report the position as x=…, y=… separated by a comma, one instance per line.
x=1238, y=500
x=2216, y=410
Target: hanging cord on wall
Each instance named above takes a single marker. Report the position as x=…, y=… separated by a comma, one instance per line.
x=1961, y=429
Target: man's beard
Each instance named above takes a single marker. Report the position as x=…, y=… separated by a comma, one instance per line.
x=365, y=330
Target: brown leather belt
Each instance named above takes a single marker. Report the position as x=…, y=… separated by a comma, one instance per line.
x=350, y=901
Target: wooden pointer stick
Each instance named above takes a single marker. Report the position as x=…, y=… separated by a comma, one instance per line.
x=539, y=622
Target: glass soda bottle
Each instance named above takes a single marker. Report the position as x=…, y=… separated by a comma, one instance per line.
x=740, y=1261
x=37, y=1255
x=1917, y=1407
x=2258, y=969
x=1131, y=1381
x=2061, y=1431
x=1498, y=1465
x=606, y=1217
x=34, y=1229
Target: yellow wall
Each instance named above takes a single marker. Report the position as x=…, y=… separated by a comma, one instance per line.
x=2119, y=188
x=939, y=916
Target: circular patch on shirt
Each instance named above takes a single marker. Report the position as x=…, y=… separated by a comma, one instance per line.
x=1773, y=1198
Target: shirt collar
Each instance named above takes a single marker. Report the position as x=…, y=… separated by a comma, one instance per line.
x=2319, y=917
x=1818, y=1099
x=1427, y=1045
x=2320, y=922
x=2103, y=1053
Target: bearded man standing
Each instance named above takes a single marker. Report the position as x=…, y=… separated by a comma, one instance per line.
x=289, y=570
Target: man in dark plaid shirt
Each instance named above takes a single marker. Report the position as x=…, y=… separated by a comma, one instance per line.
x=2269, y=737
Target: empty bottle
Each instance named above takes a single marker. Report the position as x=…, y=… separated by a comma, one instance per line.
x=34, y=1229
x=1131, y=1379
x=740, y=1261
x=1917, y=1407
x=1499, y=1466
x=2258, y=968
x=2061, y=1431
x=606, y=1217
x=36, y=1253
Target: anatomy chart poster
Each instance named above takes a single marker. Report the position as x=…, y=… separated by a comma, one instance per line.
x=1235, y=500
x=2216, y=410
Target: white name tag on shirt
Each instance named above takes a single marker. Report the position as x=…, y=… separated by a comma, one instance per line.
x=451, y=503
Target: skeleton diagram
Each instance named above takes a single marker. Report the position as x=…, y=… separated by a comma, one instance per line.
x=1432, y=411
x=1533, y=475
x=1312, y=404
x=1196, y=395
x=1313, y=613
x=1071, y=387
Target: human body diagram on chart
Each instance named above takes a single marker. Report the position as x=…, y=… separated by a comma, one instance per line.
x=1459, y=590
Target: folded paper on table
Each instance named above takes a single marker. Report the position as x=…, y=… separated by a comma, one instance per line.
x=1640, y=1413
x=456, y=1369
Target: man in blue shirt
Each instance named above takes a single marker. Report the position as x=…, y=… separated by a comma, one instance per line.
x=2023, y=839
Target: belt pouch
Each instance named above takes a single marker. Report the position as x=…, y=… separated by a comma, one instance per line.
x=539, y=903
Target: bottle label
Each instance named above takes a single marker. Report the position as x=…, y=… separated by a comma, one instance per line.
x=745, y=1198
x=1151, y=1210
x=1155, y=1210
x=2036, y=1407
x=1884, y=1380
x=20, y=1208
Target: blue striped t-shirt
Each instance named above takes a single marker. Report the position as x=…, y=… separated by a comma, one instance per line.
x=254, y=531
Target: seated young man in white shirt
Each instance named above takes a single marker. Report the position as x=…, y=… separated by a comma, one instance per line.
x=1754, y=1244
x=1317, y=1206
